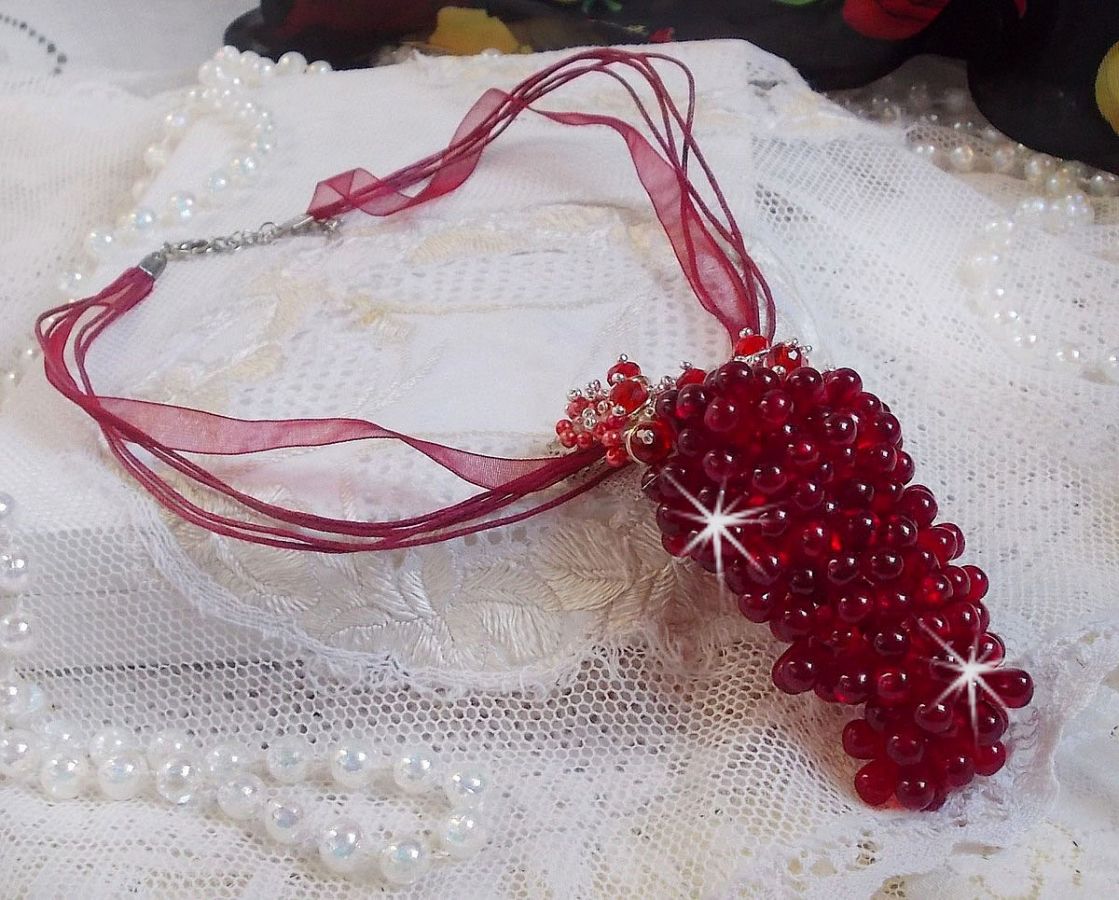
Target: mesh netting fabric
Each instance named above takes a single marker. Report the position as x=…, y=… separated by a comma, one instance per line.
x=623, y=706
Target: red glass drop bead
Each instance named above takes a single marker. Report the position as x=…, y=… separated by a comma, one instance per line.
x=955, y=765
x=650, y=442
x=885, y=565
x=806, y=385
x=839, y=429
x=721, y=415
x=843, y=385
x=891, y=686
x=960, y=543
x=919, y=504
x=939, y=541
x=623, y=368
x=905, y=746
x=750, y=344
x=891, y=642
x=854, y=684
x=935, y=590
x=888, y=428
x=1014, y=687
x=758, y=606
x=979, y=583
x=860, y=740
x=990, y=723
x=988, y=760
x=963, y=621
x=899, y=532
x=734, y=379
x=935, y=717
x=792, y=623
x=875, y=781
x=794, y=673
x=675, y=544
x=904, y=469
x=691, y=401
x=879, y=717
x=842, y=570
x=915, y=788
x=768, y=479
x=990, y=649
x=854, y=606
x=786, y=356
x=629, y=394
x=774, y=408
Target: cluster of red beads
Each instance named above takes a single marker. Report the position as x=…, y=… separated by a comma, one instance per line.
x=845, y=563
x=604, y=415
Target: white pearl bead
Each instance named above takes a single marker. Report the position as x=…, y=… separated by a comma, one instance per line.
x=229, y=54
x=240, y=797
x=1103, y=184
x=63, y=775
x=321, y=67
x=7, y=506
x=249, y=58
x=291, y=63
x=461, y=834
x=98, y=243
x=210, y=73
x=283, y=821
x=26, y=359
x=16, y=634
x=962, y=158
x=288, y=759
x=193, y=99
x=1005, y=317
x=217, y=183
x=139, y=188
x=166, y=744
x=122, y=777
x=261, y=71
x=263, y=145
x=110, y=741
x=19, y=753
x=62, y=734
x=1026, y=340
x=926, y=151
x=176, y=123
x=72, y=283
x=228, y=759
x=143, y=219
x=180, y=207
x=405, y=861
x=21, y=700
x=998, y=234
x=244, y=168
x=340, y=847
x=1004, y=159
x=1038, y=167
x=177, y=779
x=1058, y=184
x=351, y=764
x=15, y=573
x=156, y=156
x=465, y=788
x=414, y=771
x=979, y=268
x=1031, y=211
x=1069, y=354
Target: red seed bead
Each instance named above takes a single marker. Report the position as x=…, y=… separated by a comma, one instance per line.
x=915, y=788
x=939, y=541
x=568, y=439
x=860, y=740
x=563, y=426
x=960, y=580
x=734, y=379
x=839, y=429
x=617, y=457
x=875, y=781
x=887, y=428
x=905, y=468
x=690, y=375
x=1014, y=687
x=792, y=623
x=624, y=368
x=612, y=438
x=575, y=407
x=988, y=760
x=629, y=394
x=749, y=345
x=584, y=440
x=905, y=746
x=919, y=504
x=899, y=532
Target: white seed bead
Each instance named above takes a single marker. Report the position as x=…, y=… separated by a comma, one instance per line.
x=414, y=771
x=228, y=759
x=176, y=123
x=110, y=741
x=7, y=506
x=240, y=797
x=15, y=573
x=465, y=788
x=283, y=821
x=218, y=182
x=180, y=207
x=166, y=744
x=320, y=67
x=244, y=168
x=962, y=158
x=177, y=779
x=98, y=243
x=351, y=764
x=288, y=759
x=341, y=847
x=143, y=219
x=291, y=63
x=63, y=775
x=123, y=776
x=19, y=753
x=156, y=156
x=405, y=861
x=21, y=701
x=461, y=834
x=16, y=634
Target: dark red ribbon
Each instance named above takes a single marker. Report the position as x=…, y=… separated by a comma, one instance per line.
x=711, y=252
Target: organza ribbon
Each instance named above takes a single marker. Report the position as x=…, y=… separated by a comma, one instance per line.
x=711, y=252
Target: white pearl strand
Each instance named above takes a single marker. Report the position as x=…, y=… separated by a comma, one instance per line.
x=1066, y=200
x=226, y=84
x=38, y=748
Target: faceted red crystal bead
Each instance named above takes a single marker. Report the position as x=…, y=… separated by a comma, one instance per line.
x=623, y=368
x=786, y=356
x=749, y=345
x=629, y=394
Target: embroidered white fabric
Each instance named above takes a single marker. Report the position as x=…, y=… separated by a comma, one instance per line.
x=624, y=707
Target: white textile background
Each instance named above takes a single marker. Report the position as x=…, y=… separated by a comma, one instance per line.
x=625, y=710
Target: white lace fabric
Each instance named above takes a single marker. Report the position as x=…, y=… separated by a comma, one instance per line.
x=624, y=704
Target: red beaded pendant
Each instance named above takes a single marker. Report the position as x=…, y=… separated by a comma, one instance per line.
x=792, y=486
